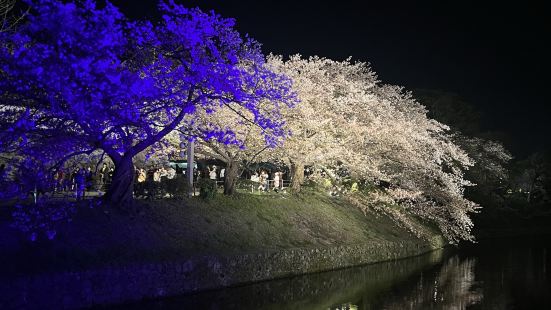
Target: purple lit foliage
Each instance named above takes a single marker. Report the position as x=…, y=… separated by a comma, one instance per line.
x=77, y=78
x=42, y=217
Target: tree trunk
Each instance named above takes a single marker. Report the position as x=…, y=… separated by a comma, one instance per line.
x=120, y=193
x=230, y=177
x=297, y=178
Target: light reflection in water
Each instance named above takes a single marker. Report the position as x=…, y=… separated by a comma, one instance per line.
x=451, y=286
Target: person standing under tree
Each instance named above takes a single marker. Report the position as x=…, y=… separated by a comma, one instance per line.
x=80, y=183
x=212, y=173
x=141, y=175
x=59, y=181
x=170, y=173
x=103, y=177
x=276, y=181
x=74, y=179
x=2, y=173
x=263, y=179
x=222, y=174
x=266, y=179
x=2, y=169
x=157, y=175
x=254, y=179
x=110, y=175
x=89, y=177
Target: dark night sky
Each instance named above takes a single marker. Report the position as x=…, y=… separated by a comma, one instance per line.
x=495, y=55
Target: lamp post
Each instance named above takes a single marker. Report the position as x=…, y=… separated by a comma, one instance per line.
x=190, y=166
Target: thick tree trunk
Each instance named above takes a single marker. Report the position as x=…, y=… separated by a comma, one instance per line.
x=231, y=175
x=297, y=178
x=120, y=193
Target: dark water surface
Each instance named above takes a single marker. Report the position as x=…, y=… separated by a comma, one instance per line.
x=508, y=273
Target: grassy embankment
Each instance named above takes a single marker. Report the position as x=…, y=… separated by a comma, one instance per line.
x=172, y=229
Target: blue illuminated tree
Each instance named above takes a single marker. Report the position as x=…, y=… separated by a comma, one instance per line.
x=77, y=78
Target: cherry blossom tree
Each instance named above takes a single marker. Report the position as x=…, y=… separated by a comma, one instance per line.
x=379, y=133
x=238, y=157
x=319, y=130
x=7, y=19
x=80, y=78
x=490, y=171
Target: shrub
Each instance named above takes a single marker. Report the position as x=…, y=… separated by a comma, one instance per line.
x=153, y=190
x=176, y=187
x=42, y=217
x=207, y=189
x=245, y=184
x=139, y=189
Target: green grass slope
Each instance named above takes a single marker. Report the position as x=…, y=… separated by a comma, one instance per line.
x=173, y=229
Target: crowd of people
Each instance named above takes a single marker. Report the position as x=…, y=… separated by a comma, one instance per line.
x=156, y=174
x=81, y=180
x=87, y=181
x=264, y=182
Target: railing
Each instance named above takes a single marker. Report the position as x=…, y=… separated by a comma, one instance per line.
x=268, y=185
x=71, y=191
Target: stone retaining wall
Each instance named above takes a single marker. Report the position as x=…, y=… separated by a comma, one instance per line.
x=118, y=284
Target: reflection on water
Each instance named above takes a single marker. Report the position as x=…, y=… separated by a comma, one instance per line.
x=314, y=291
x=512, y=274
x=451, y=285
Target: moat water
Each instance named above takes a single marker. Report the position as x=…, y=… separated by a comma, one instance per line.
x=511, y=273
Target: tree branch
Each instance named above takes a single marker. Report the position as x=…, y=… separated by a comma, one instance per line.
x=142, y=145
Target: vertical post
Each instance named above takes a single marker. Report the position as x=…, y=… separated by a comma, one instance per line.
x=190, y=166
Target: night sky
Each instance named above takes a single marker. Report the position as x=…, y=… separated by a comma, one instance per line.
x=495, y=55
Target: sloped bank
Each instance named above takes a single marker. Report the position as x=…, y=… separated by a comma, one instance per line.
x=173, y=250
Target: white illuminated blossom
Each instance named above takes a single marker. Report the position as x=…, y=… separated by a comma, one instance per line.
x=379, y=133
